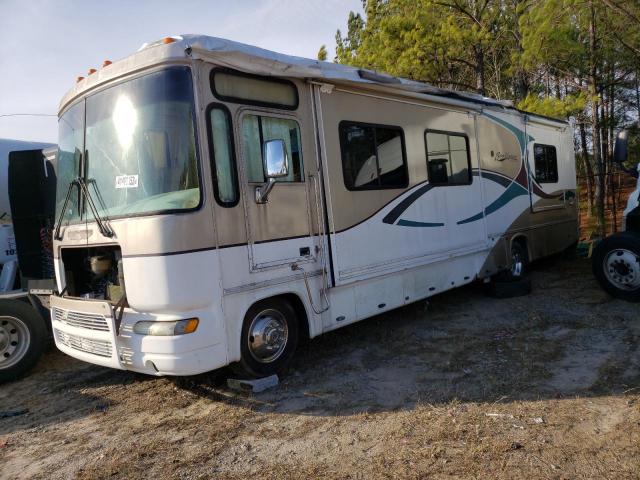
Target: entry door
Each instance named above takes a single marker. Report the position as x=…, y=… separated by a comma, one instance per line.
x=279, y=231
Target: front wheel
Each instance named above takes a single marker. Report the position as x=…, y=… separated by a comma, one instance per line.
x=269, y=338
x=616, y=265
x=22, y=338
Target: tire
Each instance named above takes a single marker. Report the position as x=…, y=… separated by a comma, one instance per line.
x=616, y=265
x=509, y=288
x=268, y=354
x=519, y=263
x=23, y=335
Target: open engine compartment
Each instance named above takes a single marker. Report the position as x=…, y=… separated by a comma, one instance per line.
x=94, y=272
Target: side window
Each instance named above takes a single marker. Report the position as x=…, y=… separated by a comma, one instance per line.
x=546, y=163
x=256, y=130
x=238, y=87
x=373, y=156
x=223, y=161
x=448, y=159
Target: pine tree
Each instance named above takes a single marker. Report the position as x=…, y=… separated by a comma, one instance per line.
x=322, y=53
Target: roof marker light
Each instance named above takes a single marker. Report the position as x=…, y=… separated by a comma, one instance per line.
x=79, y=79
x=91, y=71
x=106, y=63
x=166, y=40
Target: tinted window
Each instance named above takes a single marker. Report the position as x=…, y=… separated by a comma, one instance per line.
x=546, y=163
x=448, y=161
x=258, y=129
x=372, y=156
x=225, y=179
x=254, y=90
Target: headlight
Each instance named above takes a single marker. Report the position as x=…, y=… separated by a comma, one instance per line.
x=178, y=327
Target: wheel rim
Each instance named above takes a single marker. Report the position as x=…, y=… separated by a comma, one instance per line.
x=268, y=336
x=622, y=269
x=14, y=341
x=517, y=264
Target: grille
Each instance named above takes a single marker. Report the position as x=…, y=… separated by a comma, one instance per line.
x=89, y=321
x=96, y=347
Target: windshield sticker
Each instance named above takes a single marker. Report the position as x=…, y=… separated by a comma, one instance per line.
x=127, y=181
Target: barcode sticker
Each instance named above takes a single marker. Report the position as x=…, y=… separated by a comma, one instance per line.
x=127, y=181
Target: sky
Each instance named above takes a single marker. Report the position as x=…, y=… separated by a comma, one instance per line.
x=46, y=44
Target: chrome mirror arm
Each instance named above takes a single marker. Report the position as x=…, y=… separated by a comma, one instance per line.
x=262, y=192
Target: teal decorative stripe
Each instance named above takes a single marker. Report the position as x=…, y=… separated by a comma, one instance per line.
x=520, y=135
x=473, y=218
x=514, y=190
x=410, y=223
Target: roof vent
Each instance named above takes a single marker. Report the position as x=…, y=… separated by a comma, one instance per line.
x=377, y=77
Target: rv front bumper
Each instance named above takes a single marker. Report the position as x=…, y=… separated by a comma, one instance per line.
x=85, y=329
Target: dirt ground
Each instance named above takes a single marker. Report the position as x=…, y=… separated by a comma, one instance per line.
x=542, y=386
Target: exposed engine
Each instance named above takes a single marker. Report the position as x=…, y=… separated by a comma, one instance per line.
x=94, y=272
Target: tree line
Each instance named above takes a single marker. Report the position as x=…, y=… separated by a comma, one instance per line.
x=575, y=59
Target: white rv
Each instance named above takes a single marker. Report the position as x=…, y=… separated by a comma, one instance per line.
x=218, y=202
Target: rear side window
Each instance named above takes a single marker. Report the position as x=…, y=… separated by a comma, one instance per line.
x=373, y=156
x=546, y=163
x=448, y=159
x=223, y=157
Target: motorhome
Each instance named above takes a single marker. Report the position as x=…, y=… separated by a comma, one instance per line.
x=218, y=203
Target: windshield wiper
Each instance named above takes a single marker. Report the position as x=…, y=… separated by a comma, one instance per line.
x=79, y=182
x=103, y=225
x=56, y=230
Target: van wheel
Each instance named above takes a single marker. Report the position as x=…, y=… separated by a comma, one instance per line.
x=269, y=338
x=22, y=339
x=519, y=262
x=616, y=265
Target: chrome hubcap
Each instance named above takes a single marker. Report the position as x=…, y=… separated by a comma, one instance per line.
x=14, y=341
x=268, y=335
x=622, y=269
x=517, y=266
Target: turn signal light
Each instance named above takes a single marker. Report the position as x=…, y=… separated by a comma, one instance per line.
x=91, y=71
x=166, y=328
x=106, y=63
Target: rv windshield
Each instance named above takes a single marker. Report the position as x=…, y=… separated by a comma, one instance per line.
x=139, y=143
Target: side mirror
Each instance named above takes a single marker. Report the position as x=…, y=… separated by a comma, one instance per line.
x=276, y=165
x=276, y=161
x=620, y=151
x=621, y=154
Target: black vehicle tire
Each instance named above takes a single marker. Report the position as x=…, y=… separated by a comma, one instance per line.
x=616, y=265
x=23, y=336
x=269, y=339
x=508, y=288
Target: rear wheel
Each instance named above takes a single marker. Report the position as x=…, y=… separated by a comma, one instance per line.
x=519, y=261
x=269, y=338
x=513, y=282
x=616, y=265
x=22, y=338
